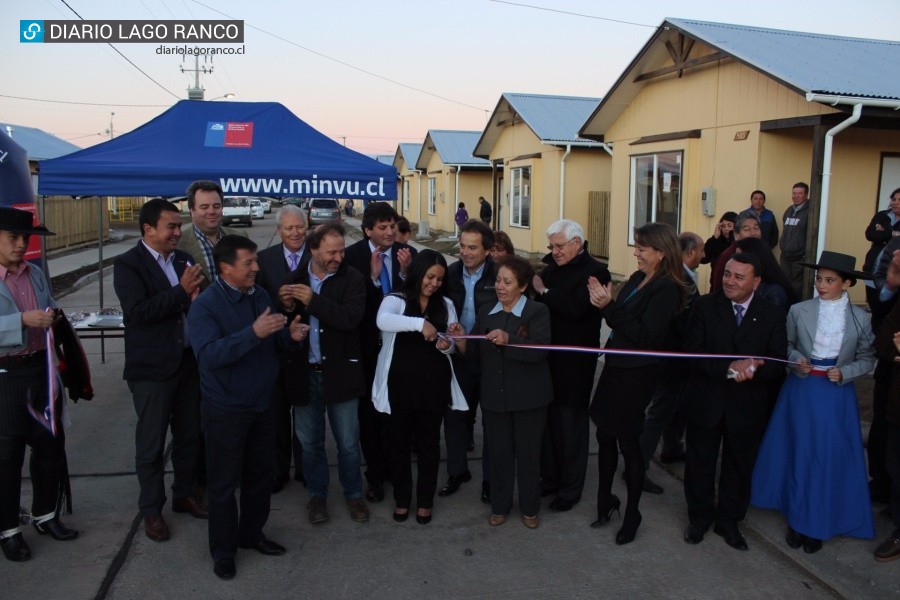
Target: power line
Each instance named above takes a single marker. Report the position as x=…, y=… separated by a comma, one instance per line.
x=574, y=14
x=128, y=60
x=346, y=64
x=85, y=103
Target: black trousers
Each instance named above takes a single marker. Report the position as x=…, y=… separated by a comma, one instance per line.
x=456, y=432
x=893, y=466
x=172, y=402
x=240, y=453
x=876, y=446
x=738, y=457
x=17, y=430
x=373, y=428
x=564, y=455
x=660, y=421
x=421, y=430
x=515, y=458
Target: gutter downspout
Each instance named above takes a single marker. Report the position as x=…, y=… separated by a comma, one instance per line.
x=857, y=104
x=562, y=180
x=456, y=202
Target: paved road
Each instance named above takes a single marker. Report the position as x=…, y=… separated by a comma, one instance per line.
x=457, y=556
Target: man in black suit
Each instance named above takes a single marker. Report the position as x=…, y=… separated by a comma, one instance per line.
x=725, y=399
x=276, y=264
x=383, y=262
x=156, y=284
x=663, y=420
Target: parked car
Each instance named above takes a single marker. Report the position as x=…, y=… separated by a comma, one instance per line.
x=266, y=204
x=236, y=209
x=256, y=208
x=323, y=209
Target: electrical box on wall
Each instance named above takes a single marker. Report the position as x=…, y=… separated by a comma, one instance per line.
x=708, y=201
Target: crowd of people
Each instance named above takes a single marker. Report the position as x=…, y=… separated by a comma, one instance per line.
x=245, y=355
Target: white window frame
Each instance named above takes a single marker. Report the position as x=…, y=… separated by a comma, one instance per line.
x=406, y=196
x=654, y=205
x=432, y=193
x=521, y=199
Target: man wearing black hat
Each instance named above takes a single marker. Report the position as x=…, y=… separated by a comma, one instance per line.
x=25, y=315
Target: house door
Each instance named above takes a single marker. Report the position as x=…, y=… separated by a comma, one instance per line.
x=889, y=179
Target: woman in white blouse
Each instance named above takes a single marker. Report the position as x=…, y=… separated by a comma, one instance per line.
x=810, y=464
x=414, y=379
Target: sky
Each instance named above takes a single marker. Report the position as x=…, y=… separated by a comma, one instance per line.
x=369, y=74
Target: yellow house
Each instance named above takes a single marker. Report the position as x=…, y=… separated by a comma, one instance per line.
x=451, y=174
x=708, y=112
x=543, y=171
x=409, y=190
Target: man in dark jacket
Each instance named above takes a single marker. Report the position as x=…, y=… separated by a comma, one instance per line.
x=331, y=298
x=156, y=284
x=234, y=330
x=885, y=226
x=562, y=286
x=793, y=236
x=485, y=211
x=383, y=262
x=725, y=399
x=768, y=224
x=470, y=285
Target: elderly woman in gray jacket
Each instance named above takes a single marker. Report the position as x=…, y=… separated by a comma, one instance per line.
x=515, y=389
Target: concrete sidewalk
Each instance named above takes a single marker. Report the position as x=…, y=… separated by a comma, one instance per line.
x=456, y=556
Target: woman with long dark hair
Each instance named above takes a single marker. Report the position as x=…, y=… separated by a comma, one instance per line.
x=414, y=379
x=644, y=309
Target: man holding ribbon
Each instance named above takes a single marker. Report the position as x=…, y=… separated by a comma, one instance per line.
x=383, y=262
x=725, y=398
x=25, y=316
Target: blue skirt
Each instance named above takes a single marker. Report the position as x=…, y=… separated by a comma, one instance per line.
x=811, y=465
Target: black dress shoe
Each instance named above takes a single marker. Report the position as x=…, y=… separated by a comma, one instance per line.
x=56, y=529
x=694, y=534
x=224, y=568
x=794, y=539
x=375, y=493
x=562, y=504
x=668, y=459
x=265, y=546
x=486, y=492
x=650, y=487
x=299, y=477
x=732, y=537
x=15, y=548
x=812, y=545
x=423, y=519
x=401, y=517
x=547, y=492
x=453, y=483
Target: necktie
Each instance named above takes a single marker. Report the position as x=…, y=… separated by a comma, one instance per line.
x=293, y=258
x=385, y=277
x=738, y=314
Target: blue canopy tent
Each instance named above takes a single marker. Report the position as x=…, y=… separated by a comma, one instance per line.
x=250, y=148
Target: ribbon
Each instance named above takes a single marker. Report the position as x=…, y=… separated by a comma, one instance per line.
x=48, y=414
x=656, y=353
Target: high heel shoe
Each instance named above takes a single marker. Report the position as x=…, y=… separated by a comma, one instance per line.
x=603, y=517
x=629, y=528
x=400, y=516
x=423, y=519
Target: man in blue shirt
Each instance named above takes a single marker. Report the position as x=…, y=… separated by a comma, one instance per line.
x=234, y=331
x=768, y=224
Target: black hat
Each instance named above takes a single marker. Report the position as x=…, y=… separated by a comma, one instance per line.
x=20, y=221
x=842, y=263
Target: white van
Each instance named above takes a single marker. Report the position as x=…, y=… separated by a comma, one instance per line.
x=236, y=209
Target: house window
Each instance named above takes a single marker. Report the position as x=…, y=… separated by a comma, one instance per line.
x=520, y=197
x=655, y=190
x=432, y=185
x=405, y=196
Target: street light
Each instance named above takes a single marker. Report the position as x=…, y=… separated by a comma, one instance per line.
x=226, y=96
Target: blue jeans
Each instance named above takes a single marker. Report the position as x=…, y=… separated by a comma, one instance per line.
x=309, y=423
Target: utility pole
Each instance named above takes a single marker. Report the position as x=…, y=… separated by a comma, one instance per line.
x=196, y=92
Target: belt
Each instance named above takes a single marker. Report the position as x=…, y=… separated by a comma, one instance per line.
x=819, y=372
x=317, y=367
x=21, y=361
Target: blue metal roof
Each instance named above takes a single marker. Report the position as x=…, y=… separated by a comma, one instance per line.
x=553, y=118
x=39, y=144
x=410, y=153
x=810, y=62
x=387, y=159
x=455, y=147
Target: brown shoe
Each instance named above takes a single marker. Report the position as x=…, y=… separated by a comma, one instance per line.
x=359, y=511
x=192, y=506
x=318, y=510
x=497, y=520
x=531, y=522
x=156, y=529
x=888, y=550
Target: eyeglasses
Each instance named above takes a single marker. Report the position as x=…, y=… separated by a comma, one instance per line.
x=559, y=247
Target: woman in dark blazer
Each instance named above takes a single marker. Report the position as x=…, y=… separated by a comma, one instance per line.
x=515, y=389
x=645, y=309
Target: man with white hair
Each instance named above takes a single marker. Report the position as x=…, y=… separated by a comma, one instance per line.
x=562, y=286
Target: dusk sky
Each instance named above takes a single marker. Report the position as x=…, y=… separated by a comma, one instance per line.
x=375, y=73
